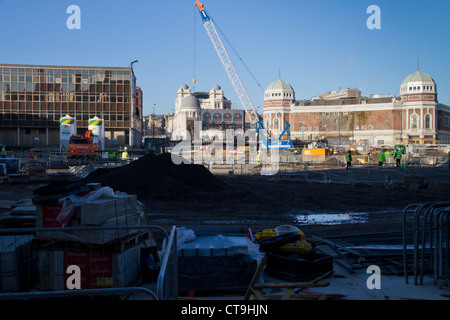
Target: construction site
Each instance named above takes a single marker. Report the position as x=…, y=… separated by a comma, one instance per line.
x=146, y=228
x=331, y=222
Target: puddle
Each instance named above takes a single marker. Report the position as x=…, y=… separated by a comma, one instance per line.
x=331, y=218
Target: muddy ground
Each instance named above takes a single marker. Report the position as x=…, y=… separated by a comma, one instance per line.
x=191, y=195
x=263, y=203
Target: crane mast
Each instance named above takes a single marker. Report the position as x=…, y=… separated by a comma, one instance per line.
x=232, y=74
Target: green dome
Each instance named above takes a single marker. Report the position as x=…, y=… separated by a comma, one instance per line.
x=418, y=76
x=279, y=84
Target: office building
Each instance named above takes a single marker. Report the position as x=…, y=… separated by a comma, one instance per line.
x=33, y=98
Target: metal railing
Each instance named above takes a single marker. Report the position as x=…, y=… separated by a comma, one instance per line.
x=131, y=238
x=77, y=293
x=167, y=286
x=431, y=233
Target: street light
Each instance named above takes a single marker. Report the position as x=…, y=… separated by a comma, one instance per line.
x=133, y=62
x=153, y=120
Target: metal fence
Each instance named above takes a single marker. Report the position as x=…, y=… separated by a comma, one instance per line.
x=429, y=224
x=113, y=261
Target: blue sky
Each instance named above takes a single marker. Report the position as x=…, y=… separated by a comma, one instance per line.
x=317, y=46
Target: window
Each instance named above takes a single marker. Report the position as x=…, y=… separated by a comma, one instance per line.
x=447, y=121
x=276, y=124
x=428, y=121
x=414, y=121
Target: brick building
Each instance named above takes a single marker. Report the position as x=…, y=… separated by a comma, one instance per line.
x=415, y=116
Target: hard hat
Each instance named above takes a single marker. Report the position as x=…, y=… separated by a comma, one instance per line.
x=349, y=151
x=125, y=148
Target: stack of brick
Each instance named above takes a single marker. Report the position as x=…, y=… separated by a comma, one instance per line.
x=103, y=214
x=107, y=254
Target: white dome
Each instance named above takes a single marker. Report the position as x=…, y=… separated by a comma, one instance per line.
x=279, y=90
x=190, y=103
x=418, y=83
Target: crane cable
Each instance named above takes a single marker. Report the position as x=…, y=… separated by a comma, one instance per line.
x=194, y=53
x=237, y=54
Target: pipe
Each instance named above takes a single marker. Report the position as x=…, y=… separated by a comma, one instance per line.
x=75, y=293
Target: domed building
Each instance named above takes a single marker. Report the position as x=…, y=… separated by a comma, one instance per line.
x=347, y=118
x=419, y=97
x=278, y=98
x=211, y=108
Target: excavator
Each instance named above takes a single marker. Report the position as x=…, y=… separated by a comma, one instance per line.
x=83, y=146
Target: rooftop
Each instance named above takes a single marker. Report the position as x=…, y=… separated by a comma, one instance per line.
x=418, y=76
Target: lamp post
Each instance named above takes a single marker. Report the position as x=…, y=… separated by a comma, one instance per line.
x=133, y=96
x=153, y=120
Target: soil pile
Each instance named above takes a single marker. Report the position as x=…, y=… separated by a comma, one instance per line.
x=157, y=177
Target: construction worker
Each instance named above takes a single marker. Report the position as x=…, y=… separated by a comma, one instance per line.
x=381, y=158
x=349, y=159
x=3, y=152
x=125, y=155
x=397, y=157
x=112, y=156
x=258, y=159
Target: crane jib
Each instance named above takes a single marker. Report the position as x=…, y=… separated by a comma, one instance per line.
x=256, y=123
x=202, y=11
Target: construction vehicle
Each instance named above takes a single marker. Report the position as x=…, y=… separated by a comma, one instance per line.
x=83, y=146
x=264, y=135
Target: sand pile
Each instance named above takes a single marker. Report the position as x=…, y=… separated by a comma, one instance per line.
x=157, y=177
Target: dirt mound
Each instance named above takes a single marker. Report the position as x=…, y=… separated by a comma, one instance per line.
x=157, y=177
x=333, y=161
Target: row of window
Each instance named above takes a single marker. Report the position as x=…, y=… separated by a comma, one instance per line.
x=279, y=94
x=57, y=116
x=418, y=88
x=414, y=121
x=55, y=123
x=65, y=98
x=31, y=88
x=336, y=114
x=65, y=75
x=414, y=124
x=50, y=106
